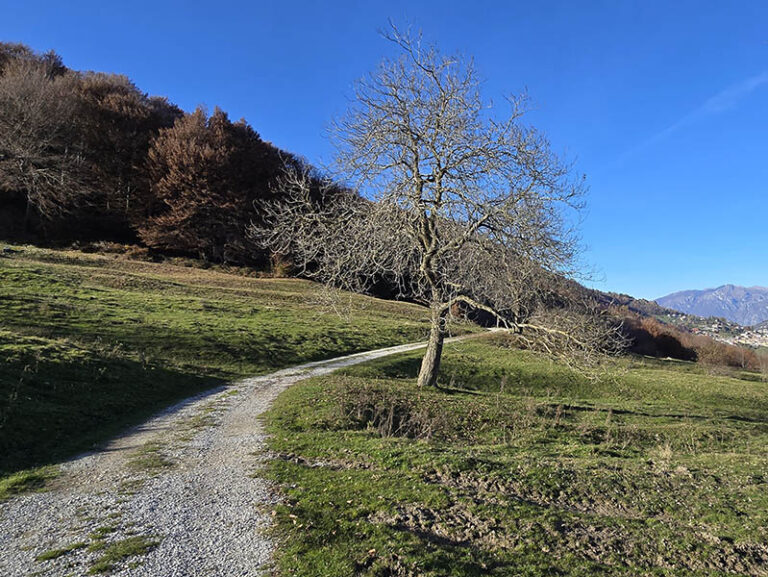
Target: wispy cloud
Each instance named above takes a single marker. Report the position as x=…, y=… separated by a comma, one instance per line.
x=729, y=97
x=724, y=100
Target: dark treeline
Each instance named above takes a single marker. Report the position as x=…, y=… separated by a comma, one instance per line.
x=88, y=156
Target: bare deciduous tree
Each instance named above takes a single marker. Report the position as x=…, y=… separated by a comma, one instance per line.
x=455, y=207
x=38, y=156
x=762, y=361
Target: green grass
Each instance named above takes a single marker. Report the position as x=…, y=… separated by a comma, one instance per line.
x=56, y=553
x=110, y=553
x=25, y=481
x=150, y=458
x=118, y=551
x=656, y=469
x=90, y=344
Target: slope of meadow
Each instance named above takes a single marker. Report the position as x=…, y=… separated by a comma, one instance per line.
x=519, y=466
x=516, y=466
x=91, y=343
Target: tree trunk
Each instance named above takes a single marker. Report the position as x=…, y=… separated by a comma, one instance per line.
x=430, y=364
x=27, y=215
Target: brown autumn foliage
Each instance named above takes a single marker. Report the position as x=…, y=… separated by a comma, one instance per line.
x=73, y=148
x=715, y=353
x=651, y=337
x=208, y=177
x=11, y=52
x=87, y=156
x=117, y=122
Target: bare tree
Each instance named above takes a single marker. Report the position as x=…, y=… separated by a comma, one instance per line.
x=39, y=158
x=456, y=207
x=762, y=362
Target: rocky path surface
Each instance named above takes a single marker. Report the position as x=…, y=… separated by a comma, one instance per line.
x=176, y=496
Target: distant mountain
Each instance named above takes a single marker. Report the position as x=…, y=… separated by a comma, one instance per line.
x=744, y=305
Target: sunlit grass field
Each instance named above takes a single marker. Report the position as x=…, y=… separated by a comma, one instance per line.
x=519, y=466
x=515, y=466
x=92, y=343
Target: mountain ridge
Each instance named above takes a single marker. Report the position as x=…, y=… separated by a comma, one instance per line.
x=747, y=306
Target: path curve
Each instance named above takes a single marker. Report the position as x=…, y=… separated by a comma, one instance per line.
x=184, y=482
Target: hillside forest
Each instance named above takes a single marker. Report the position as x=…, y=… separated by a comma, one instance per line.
x=87, y=156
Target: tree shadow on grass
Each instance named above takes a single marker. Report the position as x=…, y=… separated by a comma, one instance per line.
x=53, y=406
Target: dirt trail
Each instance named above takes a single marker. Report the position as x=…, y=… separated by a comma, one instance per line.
x=180, y=490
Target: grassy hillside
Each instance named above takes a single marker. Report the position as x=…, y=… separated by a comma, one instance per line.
x=521, y=467
x=91, y=343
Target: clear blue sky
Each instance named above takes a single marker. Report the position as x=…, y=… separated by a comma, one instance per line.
x=663, y=104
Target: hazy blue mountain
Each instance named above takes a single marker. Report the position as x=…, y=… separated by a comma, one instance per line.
x=744, y=305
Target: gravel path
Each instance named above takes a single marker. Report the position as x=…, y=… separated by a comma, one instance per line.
x=176, y=496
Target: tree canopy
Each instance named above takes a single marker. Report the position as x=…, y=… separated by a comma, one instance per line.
x=209, y=175
x=456, y=205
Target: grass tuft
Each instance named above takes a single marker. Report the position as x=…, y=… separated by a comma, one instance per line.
x=118, y=551
x=149, y=458
x=26, y=481
x=56, y=553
